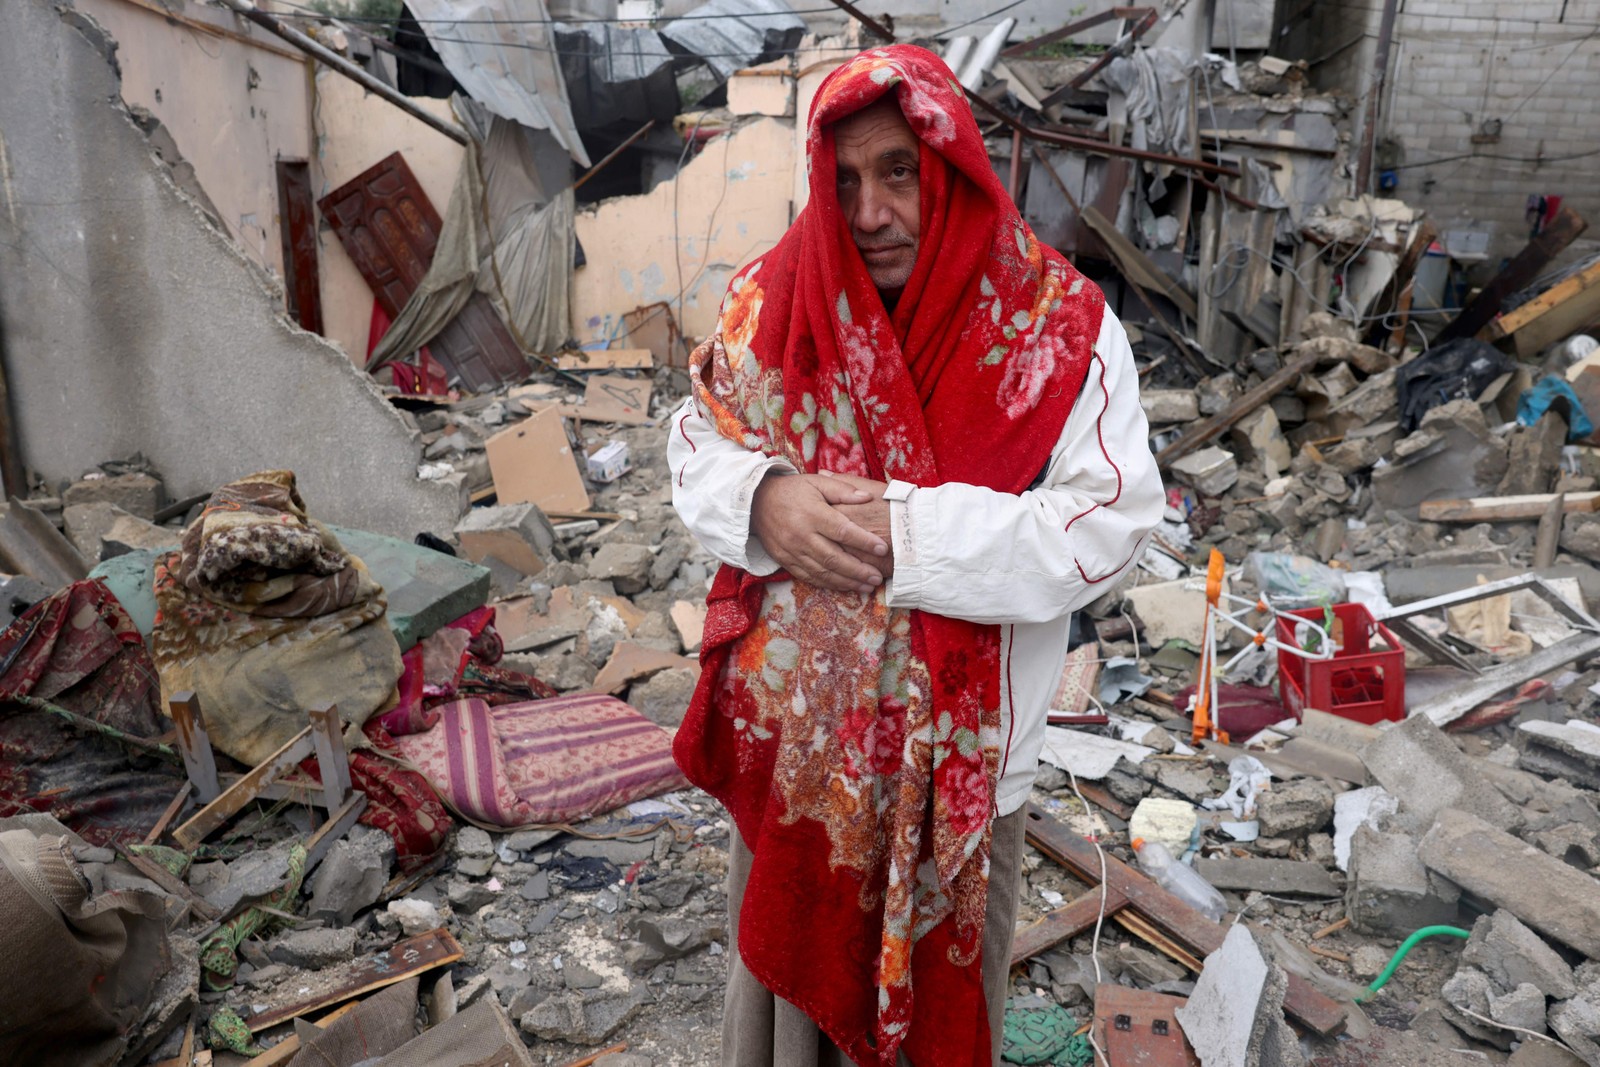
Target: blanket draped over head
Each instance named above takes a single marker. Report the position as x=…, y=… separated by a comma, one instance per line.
x=855, y=745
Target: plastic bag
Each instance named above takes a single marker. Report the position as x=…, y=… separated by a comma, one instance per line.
x=1294, y=581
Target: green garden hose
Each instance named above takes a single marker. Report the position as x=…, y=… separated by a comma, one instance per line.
x=1400, y=954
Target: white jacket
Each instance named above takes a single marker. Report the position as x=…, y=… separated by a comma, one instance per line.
x=1023, y=562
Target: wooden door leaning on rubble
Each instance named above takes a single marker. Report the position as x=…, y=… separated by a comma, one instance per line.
x=390, y=228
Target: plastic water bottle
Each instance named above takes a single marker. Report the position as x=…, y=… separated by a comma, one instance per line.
x=1180, y=880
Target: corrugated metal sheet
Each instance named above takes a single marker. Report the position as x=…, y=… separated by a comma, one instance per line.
x=747, y=30
x=503, y=54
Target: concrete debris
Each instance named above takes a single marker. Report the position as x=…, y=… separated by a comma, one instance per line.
x=1542, y=891
x=1513, y=955
x=1390, y=892
x=1424, y=770
x=1277, y=877
x=1295, y=808
x=1234, y=1017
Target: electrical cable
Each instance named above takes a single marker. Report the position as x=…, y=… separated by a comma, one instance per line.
x=980, y=18
x=1400, y=954
x=1099, y=919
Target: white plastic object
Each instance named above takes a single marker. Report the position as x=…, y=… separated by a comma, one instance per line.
x=1181, y=881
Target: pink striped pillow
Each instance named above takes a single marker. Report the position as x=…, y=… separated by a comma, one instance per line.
x=571, y=757
x=461, y=757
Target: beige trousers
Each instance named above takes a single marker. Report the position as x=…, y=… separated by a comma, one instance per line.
x=761, y=1030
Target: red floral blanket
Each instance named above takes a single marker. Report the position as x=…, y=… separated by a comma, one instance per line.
x=855, y=745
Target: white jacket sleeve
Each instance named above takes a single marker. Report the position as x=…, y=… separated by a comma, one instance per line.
x=972, y=553
x=713, y=481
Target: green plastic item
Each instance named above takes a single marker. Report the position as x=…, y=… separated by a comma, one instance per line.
x=1036, y=1035
x=1400, y=954
x=229, y=1031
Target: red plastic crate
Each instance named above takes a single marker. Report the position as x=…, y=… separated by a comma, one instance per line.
x=1359, y=683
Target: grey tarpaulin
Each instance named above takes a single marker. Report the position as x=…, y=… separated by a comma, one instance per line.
x=616, y=74
x=503, y=54
x=1155, y=82
x=531, y=241
x=748, y=30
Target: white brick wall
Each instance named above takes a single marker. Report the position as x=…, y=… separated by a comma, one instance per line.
x=1456, y=64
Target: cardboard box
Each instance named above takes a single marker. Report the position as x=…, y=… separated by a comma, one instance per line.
x=532, y=462
x=609, y=462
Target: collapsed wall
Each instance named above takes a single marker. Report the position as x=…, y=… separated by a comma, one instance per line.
x=132, y=324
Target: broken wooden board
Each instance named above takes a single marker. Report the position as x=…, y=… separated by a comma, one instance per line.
x=1527, y=508
x=1139, y=1028
x=1526, y=314
x=690, y=620
x=413, y=956
x=532, y=463
x=1205, y=430
x=284, y=1050
x=1519, y=273
x=1458, y=702
x=607, y=359
x=1167, y=922
x=1064, y=923
x=613, y=399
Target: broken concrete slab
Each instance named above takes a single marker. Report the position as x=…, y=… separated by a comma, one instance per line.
x=1210, y=471
x=352, y=875
x=584, y=1018
x=518, y=535
x=1422, y=768
x=1166, y=406
x=138, y=494
x=1505, y=949
x=1557, y=900
x=1234, y=1017
x=1277, y=877
x=1169, y=610
x=425, y=589
x=178, y=301
x=88, y=526
x=1569, y=750
x=314, y=949
x=627, y=566
x=1390, y=892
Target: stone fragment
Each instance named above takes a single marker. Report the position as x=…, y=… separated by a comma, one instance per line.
x=629, y=1059
x=1188, y=780
x=474, y=841
x=1471, y=989
x=1505, y=949
x=1168, y=610
x=518, y=535
x=1424, y=770
x=1572, y=843
x=1569, y=750
x=1577, y=1023
x=1259, y=438
x=619, y=852
x=1389, y=893
x=1523, y=1007
x=416, y=916
x=1580, y=534
x=1210, y=471
x=507, y=977
x=536, y=887
x=671, y=555
x=628, y=566
x=1555, y=899
x=1295, y=808
x=1533, y=458
x=584, y=1018
x=314, y=949
x=250, y=877
x=1368, y=961
x=137, y=494
x=1166, y=406
x=465, y=896
x=664, y=696
x=1355, y=808
x=87, y=526
x=1217, y=392
x=352, y=875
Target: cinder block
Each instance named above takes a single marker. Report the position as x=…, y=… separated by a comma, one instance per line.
x=1390, y=892
x=518, y=535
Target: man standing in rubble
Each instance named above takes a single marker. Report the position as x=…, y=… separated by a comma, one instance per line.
x=916, y=445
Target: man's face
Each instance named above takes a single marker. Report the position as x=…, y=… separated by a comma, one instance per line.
x=880, y=189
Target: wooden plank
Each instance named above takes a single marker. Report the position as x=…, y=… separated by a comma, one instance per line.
x=1063, y=923
x=339, y=822
x=198, y=759
x=284, y=1051
x=333, y=762
x=1138, y=266
x=1458, y=702
x=1101, y=797
x=1206, y=429
x=297, y=224
x=168, y=815
x=1557, y=294
x=1167, y=915
x=242, y=792
x=1527, y=508
x=1524, y=267
x=1577, y=315
x=413, y=956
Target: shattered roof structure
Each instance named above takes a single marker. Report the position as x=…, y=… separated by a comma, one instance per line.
x=503, y=54
x=750, y=29
x=616, y=72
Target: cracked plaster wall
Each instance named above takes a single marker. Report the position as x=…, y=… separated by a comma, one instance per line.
x=133, y=325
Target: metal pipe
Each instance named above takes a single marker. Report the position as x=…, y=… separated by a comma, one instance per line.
x=343, y=66
x=983, y=56
x=1380, y=78
x=614, y=153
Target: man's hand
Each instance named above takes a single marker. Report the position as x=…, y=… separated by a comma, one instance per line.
x=872, y=515
x=801, y=524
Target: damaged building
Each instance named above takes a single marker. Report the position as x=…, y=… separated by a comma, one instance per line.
x=349, y=623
